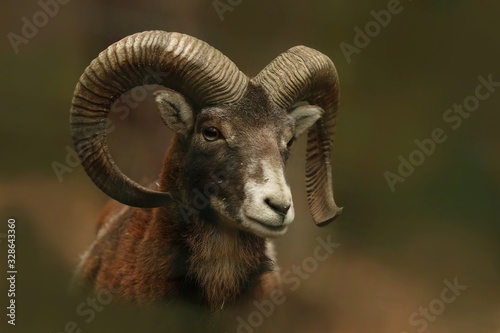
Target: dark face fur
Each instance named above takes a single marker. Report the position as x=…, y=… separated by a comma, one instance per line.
x=236, y=157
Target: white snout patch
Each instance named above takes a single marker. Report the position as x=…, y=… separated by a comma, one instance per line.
x=268, y=207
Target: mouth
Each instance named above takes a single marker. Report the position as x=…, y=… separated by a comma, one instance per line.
x=275, y=228
x=264, y=229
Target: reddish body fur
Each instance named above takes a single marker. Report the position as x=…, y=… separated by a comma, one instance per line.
x=149, y=255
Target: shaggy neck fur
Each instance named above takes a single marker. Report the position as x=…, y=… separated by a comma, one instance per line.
x=224, y=264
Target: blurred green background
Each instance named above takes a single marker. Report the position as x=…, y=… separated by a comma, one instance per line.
x=397, y=247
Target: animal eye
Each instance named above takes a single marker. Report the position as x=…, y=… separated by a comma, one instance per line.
x=210, y=133
x=292, y=140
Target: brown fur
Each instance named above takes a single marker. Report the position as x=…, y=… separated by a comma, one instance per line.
x=149, y=255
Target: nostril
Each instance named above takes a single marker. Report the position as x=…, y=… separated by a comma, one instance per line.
x=280, y=208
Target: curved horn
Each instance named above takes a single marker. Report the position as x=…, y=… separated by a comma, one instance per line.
x=304, y=74
x=174, y=60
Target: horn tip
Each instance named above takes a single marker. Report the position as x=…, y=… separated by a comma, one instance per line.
x=333, y=217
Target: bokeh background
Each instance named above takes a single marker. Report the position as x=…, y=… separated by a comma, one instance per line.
x=396, y=247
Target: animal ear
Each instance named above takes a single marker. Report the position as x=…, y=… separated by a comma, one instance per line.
x=175, y=111
x=305, y=116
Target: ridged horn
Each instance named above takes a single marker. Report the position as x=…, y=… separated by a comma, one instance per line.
x=304, y=74
x=179, y=62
